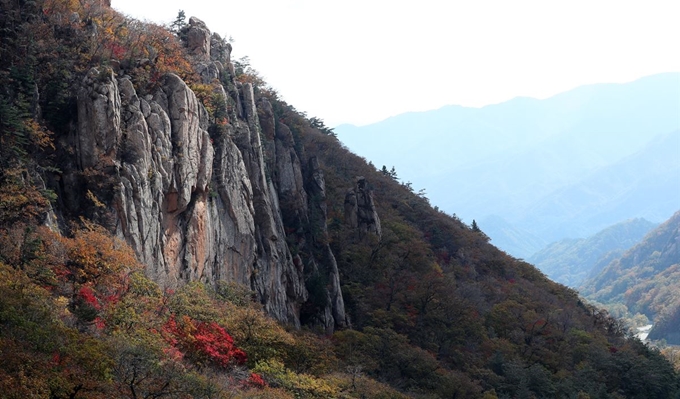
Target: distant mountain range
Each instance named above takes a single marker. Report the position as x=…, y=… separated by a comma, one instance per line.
x=570, y=261
x=536, y=171
x=645, y=184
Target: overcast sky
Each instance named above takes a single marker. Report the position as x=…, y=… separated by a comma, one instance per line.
x=361, y=61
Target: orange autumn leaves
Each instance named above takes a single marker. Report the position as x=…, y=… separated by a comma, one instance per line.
x=145, y=50
x=97, y=294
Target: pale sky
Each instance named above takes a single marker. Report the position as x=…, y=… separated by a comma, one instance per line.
x=361, y=61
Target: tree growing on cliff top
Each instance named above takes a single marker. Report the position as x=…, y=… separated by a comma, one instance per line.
x=179, y=25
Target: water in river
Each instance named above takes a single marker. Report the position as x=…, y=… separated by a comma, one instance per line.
x=643, y=332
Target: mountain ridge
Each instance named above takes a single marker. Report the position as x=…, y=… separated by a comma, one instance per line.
x=570, y=261
x=652, y=172
x=644, y=278
x=559, y=96
x=479, y=162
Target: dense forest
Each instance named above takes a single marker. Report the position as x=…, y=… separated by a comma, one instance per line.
x=644, y=280
x=431, y=308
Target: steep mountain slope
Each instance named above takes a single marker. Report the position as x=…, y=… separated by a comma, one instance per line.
x=667, y=327
x=646, y=277
x=510, y=158
x=571, y=261
x=156, y=202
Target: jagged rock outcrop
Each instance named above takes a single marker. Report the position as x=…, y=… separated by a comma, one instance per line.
x=220, y=49
x=360, y=210
x=335, y=308
x=198, y=39
x=276, y=278
x=98, y=119
x=202, y=199
x=302, y=200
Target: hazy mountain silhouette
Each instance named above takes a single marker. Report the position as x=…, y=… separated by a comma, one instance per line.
x=570, y=261
x=645, y=184
x=524, y=160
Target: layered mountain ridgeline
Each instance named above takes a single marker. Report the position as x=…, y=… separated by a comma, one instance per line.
x=151, y=189
x=640, y=185
x=571, y=261
x=644, y=184
x=645, y=279
x=532, y=172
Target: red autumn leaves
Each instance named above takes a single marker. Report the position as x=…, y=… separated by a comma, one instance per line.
x=205, y=343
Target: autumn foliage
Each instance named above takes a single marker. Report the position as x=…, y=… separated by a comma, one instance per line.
x=205, y=343
x=255, y=380
x=147, y=50
x=78, y=319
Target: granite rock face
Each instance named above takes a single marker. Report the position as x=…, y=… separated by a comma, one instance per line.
x=335, y=308
x=360, y=211
x=98, y=117
x=198, y=39
x=208, y=200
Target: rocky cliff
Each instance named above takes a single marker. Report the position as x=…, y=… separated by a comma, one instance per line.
x=200, y=197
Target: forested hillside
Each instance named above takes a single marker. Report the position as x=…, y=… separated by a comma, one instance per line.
x=170, y=227
x=645, y=278
x=666, y=327
x=571, y=261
